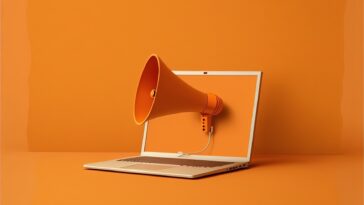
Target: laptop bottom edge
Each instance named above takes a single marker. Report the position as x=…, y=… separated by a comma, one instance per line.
x=167, y=170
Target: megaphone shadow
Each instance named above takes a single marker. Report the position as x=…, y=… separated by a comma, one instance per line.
x=222, y=117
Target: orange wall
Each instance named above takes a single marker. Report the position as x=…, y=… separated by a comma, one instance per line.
x=70, y=68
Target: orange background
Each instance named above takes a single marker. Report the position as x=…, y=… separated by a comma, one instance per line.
x=70, y=68
x=69, y=71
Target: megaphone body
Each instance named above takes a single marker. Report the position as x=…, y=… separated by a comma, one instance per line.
x=160, y=92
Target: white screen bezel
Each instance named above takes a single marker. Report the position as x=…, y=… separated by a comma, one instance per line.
x=205, y=157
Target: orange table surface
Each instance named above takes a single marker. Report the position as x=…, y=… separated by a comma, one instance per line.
x=52, y=178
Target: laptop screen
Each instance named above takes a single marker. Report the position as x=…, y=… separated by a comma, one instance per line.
x=233, y=132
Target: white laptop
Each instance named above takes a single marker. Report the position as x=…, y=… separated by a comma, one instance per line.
x=173, y=146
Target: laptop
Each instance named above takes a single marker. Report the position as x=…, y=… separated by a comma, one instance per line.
x=173, y=146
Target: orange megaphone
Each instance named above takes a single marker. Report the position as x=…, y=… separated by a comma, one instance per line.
x=160, y=92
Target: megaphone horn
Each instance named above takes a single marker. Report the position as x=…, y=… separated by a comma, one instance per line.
x=160, y=92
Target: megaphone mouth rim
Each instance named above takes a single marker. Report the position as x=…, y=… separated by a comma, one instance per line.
x=151, y=57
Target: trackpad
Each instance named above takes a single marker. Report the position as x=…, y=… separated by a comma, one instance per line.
x=148, y=167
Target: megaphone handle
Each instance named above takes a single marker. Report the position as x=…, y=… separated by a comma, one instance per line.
x=206, y=123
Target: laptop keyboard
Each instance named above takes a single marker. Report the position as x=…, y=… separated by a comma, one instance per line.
x=176, y=161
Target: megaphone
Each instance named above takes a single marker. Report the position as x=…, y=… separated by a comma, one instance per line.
x=160, y=92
